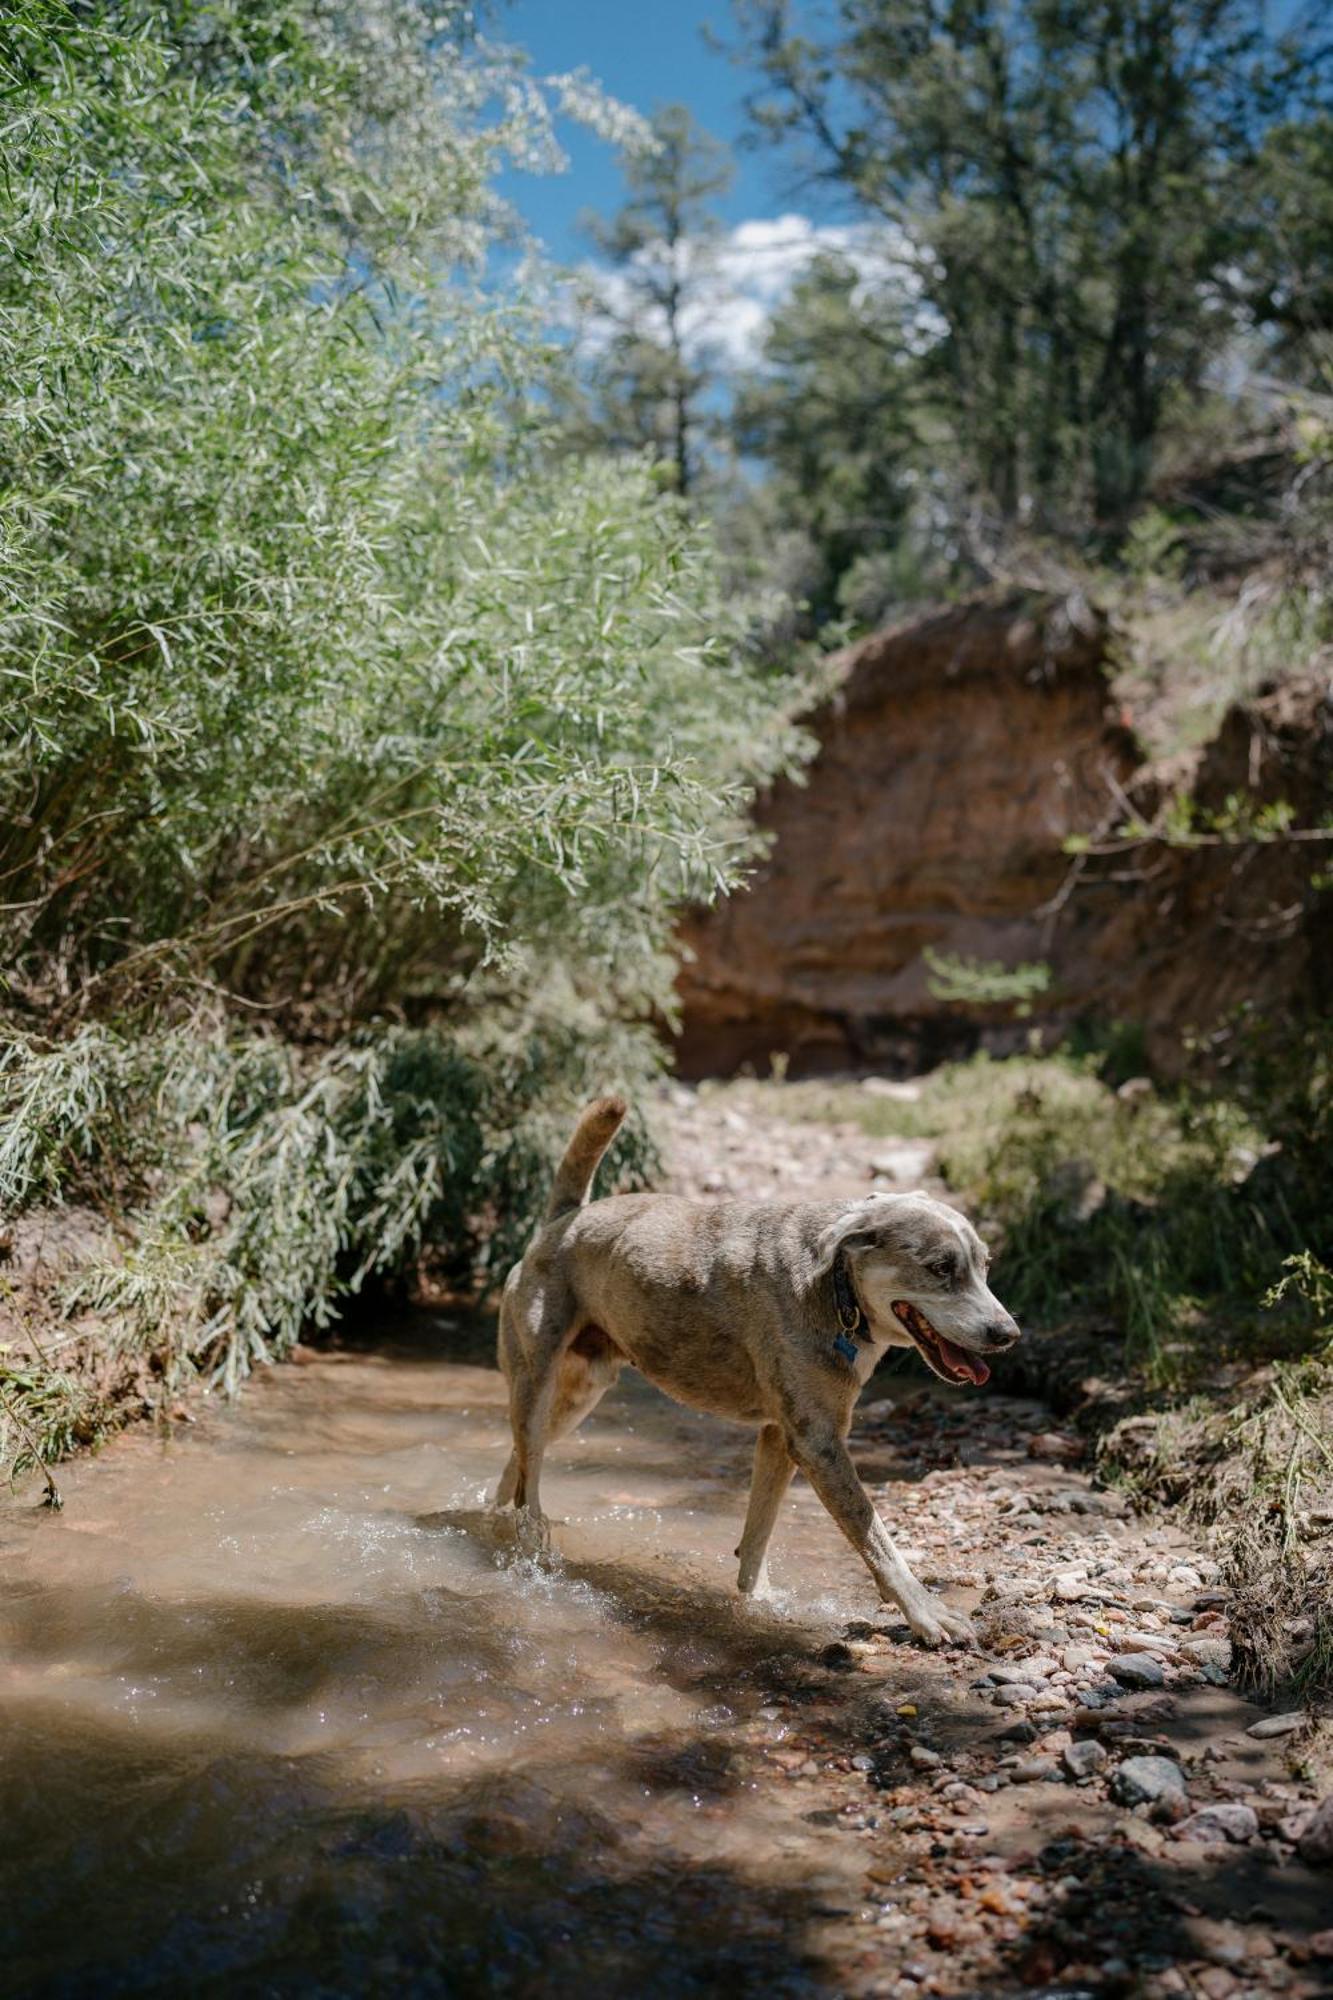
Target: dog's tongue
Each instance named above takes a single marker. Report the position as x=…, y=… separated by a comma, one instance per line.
x=957, y=1363
x=971, y=1366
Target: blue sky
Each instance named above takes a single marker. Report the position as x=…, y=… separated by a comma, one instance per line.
x=651, y=54
x=646, y=52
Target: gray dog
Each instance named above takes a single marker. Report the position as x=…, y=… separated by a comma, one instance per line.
x=773, y=1314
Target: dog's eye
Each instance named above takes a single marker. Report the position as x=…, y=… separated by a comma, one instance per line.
x=943, y=1270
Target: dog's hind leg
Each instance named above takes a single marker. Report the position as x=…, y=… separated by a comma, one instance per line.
x=539, y=1330
x=826, y=1462
x=588, y=1367
x=773, y=1469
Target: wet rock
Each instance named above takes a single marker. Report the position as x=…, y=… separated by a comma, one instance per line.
x=1277, y=1725
x=1146, y=1781
x=1136, y=1670
x=1084, y=1759
x=1316, y=1842
x=1227, y=1820
x=1019, y=1732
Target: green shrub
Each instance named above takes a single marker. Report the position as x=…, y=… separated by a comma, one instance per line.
x=356, y=749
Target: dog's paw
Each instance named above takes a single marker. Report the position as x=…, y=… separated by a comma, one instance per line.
x=532, y=1533
x=940, y=1625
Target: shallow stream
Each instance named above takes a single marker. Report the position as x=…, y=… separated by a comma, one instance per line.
x=286, y=1713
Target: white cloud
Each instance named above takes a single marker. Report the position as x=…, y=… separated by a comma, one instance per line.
x=748, y=272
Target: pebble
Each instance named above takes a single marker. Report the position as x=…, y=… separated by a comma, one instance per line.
x=1277, y=1725
x=1014, y=1694
x=1145, y=1780
x=1084, y=1758
x=1069, y=1589
x=1227, y=1820
x=1033, y=1770
x=1208, y=1652
x=1143, y=1642
x=1137, y=1670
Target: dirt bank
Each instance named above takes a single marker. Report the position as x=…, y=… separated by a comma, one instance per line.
x=957, y=756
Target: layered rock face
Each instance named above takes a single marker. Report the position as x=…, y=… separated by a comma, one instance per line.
x=956, y=755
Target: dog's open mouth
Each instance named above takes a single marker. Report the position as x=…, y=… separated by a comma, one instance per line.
x=950, y=1363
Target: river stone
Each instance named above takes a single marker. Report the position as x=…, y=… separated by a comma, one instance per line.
x=1207, y=1652
x=1227, y=1820
x=1033, y=1770
x=1316, y=1843
x=1083, y=1758
x=1277, y=1725
x=1145, y=1780
x=1070, y=1588
x=1143, y=1642
x=1014, y=1694
x=1136, y=1670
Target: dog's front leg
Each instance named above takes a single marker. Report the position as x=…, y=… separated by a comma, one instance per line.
x=773, y=1469
x=827, y=1464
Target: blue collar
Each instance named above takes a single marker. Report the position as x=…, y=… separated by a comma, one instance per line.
x=852, y=1322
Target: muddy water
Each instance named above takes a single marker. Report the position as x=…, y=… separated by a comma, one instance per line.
x=286, y=1712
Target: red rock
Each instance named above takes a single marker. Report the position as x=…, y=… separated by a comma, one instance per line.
x=956, y=753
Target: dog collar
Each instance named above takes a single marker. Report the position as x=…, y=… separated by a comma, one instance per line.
x=852, y=1322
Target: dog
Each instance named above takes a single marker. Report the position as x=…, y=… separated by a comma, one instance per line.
x=770, y=1313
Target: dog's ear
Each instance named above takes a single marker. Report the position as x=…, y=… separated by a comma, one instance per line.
x=859, y=1227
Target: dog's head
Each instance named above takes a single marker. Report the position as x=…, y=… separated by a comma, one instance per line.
x=919, y=1269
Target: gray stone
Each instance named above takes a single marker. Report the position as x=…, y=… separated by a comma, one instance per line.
x=1145, y=1780
x=1033, y=1770
x=1277, y=1725
x=1207, y=1652
x=1137, y=1670
x=1014, y=1695
x=1227, y=1820
x=1082, y=1759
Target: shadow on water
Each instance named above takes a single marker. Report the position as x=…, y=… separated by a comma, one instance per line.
x=198, y=1872
x=278, y=1722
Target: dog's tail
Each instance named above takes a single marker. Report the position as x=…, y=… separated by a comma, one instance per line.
x=592, y=1135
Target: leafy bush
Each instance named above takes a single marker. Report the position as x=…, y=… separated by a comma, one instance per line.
x=336, y=703
x=302, y=622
